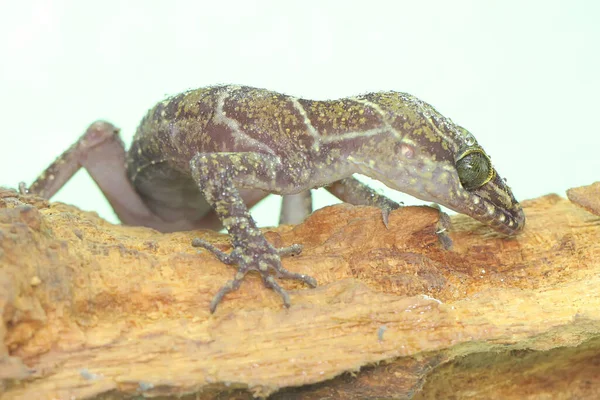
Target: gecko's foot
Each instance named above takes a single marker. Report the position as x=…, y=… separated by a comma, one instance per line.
x=264, y=260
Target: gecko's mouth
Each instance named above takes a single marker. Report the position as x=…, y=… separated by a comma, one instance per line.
x=492, y=204
x=509, y=221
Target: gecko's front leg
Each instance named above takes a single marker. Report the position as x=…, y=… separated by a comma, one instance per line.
x=218, y=176
x=353, y=191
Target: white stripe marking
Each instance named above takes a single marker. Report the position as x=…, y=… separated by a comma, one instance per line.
x=379, y=111
x=222, y=118
x=311, y=129
x=352, y=135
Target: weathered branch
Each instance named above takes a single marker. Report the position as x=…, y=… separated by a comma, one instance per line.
x=92, y=309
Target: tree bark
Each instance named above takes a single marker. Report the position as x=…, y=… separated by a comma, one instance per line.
x=95, y=310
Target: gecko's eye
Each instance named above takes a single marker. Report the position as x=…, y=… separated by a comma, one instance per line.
x=474, y=168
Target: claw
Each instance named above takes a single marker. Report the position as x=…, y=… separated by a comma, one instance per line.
x=387, y=209
x=385, y=213
x=443, y=224
x=22, y=188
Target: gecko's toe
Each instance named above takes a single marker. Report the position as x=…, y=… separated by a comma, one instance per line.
x=230, y=286
x=222, y=256
x=271, y=283
x=292, y=250
x=285, y=274
x=309, y=280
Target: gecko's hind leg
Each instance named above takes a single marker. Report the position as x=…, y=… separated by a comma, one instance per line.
x=102, y=153
x=353, y=191
x=295, y=208
x=100, y=138
x=217, y=175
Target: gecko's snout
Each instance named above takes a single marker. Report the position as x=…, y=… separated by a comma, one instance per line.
x=494, y=204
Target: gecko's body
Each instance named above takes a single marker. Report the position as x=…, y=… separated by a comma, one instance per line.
x=223, y=148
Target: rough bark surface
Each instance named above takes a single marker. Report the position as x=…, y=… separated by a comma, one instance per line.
x=95, y=310
x=587, y=197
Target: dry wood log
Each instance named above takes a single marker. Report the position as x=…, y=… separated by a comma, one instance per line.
x=95, y=310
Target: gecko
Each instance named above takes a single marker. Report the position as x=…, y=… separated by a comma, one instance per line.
x=204, y=157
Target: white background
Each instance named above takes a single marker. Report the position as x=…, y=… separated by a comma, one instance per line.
x=522, y=76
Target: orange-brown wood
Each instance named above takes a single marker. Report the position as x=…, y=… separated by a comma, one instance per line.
x=93, y=309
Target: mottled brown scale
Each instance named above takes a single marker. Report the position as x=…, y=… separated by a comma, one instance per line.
x=336, y=117
x=203, y=157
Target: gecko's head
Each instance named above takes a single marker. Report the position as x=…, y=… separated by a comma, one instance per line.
x=480, y=192
x=439, y=161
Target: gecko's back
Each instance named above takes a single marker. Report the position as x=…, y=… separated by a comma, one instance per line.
x=237, y=119
x=210, y=120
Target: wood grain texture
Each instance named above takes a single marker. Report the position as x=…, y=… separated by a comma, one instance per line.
x=94, y=310
x=587, y=197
